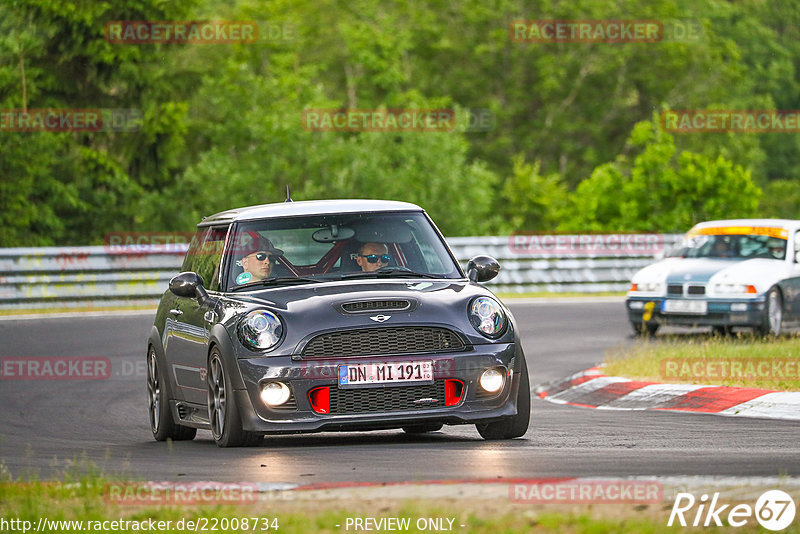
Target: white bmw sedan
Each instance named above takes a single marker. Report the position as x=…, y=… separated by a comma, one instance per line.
x=725, y=274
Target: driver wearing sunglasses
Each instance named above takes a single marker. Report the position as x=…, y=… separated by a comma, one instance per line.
x=258, y=258
x=373, y=256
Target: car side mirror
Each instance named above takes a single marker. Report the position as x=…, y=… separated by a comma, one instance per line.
x=188, y=285
x=482, y=268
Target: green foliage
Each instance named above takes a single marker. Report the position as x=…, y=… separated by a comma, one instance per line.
x=781, y=199
x=221, y=124
x=661, y=190
x=530, y=201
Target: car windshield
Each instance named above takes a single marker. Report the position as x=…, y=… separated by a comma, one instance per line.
x=319, y=248
x=732, y=246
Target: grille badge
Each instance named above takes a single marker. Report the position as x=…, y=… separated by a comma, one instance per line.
x=427, y=400
x=380, y=318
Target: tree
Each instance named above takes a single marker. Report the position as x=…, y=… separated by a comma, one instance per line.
x=532, y=202
x=661, y=190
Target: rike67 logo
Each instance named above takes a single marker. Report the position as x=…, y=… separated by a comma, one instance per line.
x=774, y=510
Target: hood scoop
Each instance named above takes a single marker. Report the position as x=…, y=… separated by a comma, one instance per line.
x=377, y=305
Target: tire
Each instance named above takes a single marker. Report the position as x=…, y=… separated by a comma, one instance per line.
x=516, y=425
x=162, y=424
x=223, y=413
x=422, y=428
x=773, y=314
x=645, y=329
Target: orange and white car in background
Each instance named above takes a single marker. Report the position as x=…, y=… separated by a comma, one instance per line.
x=724, y=274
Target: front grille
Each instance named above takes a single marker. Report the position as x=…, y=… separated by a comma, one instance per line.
x=387, y=399
x=383, y=341
x=375, y=305
x=696, y=290
x=674, y=289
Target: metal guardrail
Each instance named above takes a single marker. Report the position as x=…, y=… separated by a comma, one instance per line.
x=88, y=277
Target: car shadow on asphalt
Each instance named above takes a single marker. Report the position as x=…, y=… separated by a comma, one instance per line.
x=348, y=439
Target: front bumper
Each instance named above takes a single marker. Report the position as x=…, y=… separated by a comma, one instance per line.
x=303, y=376
x=720, y=312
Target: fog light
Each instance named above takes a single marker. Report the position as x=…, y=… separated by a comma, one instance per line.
x=739, y=306
x=275, y=393
x=492, y=380
x=636, y=305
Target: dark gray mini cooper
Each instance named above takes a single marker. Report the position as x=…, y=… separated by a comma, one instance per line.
x=337, y=315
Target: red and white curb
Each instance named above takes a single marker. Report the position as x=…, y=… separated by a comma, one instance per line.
x=593, y=389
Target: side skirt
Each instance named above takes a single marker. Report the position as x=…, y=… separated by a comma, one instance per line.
x=191, y=415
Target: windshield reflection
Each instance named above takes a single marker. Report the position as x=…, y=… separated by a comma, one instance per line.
x=739, y=247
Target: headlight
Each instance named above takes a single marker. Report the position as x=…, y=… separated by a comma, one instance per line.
x=260, y=329
x=647, y=287
x=488, y=317
x=734, y=289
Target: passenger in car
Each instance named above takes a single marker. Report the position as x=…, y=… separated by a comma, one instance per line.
x=777, y=248
x=373, y=256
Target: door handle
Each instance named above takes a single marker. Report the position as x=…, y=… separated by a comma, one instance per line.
x=176, y=312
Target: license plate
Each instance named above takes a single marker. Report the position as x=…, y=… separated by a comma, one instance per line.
x=384, y=373
x=699, y=307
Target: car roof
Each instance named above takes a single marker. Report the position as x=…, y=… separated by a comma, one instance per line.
x=308, y=207
x=789, y=224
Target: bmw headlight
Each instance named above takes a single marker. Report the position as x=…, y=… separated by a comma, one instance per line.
x=647, y=287
x=734, y=289
x=488, y=317
x=260, y=330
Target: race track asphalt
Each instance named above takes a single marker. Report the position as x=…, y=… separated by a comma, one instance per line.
x=48, y=425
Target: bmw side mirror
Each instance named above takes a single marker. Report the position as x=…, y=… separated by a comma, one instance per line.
x=188, y=285
x=482, y=268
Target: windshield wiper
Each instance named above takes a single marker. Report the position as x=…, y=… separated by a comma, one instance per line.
x=390, y=272
x=276, y=280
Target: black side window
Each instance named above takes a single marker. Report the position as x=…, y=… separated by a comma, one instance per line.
x=205, y=254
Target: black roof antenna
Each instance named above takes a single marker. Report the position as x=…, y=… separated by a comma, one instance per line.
x=288, y=195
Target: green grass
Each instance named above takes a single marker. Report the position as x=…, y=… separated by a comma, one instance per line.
x=83, y=496
x=740, y=361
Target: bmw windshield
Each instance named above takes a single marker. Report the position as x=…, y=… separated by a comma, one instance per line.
x=316, y=248
x=767, y=243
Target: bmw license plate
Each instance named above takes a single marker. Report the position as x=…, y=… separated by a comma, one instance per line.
x=697, y=307
x=385, y=372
